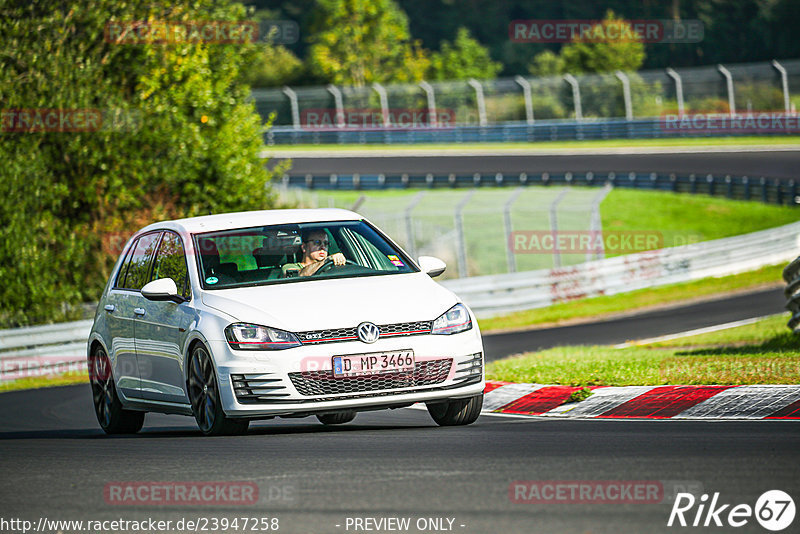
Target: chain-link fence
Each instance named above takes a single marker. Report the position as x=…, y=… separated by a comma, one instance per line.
x=727, y=89
x=474, y=230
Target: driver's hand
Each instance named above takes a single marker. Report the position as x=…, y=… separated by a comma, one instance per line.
x=338, y=258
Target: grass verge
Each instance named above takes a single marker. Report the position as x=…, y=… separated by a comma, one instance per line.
x=545, y=145
x=765, y=352
x=47, y=381
x=598, y=307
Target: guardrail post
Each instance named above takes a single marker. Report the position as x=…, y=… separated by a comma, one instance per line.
x=512, y=258
x=729, y=82
x=746, y=184
x=462, y=244
x=778, y=193
x=475, y=84
x=412, y=247
x=784, y=85
x=384, y=100
x=673, y=183
x=678, y=88
x=710, y=180
x=793, y=193
x=358, y=203
x=626, y=94
x=526, y=93
x=728, y=186
x=431, y=95
x=693, y=184
x=576, y=95
x=764, y=190
x=295, y=107
x=337, y=99
x=554, y=226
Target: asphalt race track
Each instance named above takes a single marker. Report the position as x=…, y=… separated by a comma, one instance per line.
x=56, y=463
x=778, y=164
x=670, y=320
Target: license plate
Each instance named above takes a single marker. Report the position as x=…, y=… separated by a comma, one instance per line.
x=373, y=363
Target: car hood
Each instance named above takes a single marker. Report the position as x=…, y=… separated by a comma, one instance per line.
x=335, y=303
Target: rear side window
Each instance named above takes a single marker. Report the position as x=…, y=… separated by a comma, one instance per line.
x=139, y=262
x=170, y=262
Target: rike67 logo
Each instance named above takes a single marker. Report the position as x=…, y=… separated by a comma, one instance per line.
x=774, y=510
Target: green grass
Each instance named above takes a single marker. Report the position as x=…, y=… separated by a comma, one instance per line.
x=684, y=218
x=45, y=381
x=633, y=300
x=545, y=145
x=762, y=353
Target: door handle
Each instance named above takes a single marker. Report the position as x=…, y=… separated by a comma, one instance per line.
x=138, y=311
x=109, y=307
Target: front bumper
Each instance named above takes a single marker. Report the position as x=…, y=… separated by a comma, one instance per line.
x=299, y=381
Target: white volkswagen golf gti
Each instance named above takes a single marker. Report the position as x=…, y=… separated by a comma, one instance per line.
x=289, y=313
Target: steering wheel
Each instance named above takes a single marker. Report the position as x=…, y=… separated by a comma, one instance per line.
x=328, y=265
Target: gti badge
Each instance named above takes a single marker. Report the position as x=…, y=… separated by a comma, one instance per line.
x=368, y=332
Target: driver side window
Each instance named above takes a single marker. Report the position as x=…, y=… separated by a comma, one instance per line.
x=170, y=262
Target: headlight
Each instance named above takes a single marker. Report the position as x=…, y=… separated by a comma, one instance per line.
x=245, y=336
x=453, y=321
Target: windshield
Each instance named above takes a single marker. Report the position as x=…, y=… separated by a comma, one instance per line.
x=295, y=253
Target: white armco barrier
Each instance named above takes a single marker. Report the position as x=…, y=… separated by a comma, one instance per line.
x=497, y=294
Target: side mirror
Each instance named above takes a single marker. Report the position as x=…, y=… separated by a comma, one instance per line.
x=162, y=289
x=431, y=265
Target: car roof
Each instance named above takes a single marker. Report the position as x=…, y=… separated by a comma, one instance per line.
x=246, y=219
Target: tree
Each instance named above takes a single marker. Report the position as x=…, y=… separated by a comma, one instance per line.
x=356, y=42
x=604, y=52
x=176, y=136
x=273, y=66
x=465, y=58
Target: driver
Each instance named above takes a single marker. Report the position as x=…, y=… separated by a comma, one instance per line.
x=315, y=252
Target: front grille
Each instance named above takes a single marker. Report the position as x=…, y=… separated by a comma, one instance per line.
x=337, y=335
x=324, y=383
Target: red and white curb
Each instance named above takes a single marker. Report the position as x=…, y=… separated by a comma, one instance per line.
x=647, y=402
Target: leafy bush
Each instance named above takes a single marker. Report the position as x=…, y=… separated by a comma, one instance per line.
x=179, y=137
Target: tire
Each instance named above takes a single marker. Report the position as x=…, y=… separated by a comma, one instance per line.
x=456, y=412
x=203, y=388
x=338, y=418
x=112, y=417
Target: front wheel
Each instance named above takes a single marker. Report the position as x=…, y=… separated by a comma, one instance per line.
x=456, y=412
x=206, y=402
x=112, y=417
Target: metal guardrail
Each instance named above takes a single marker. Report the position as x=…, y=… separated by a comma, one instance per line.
x=498, y=294
x=791, y=275
x=41, y=350
x=767, y=190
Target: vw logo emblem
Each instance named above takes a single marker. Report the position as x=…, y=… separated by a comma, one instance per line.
x=368, y=332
